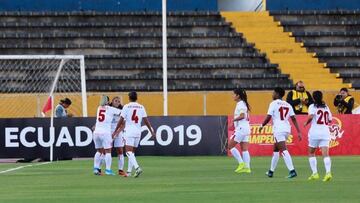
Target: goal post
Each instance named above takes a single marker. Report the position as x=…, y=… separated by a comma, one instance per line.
x=27, y=81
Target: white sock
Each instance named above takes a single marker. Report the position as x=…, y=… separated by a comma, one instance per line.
x=313, y=164
x=236, y=154
x=97, y=160
x=121, y=162
x=327, y=163
x=108, y=160
x=102, y=159
x=132, y=159
x=288, y=160
x=130, y=167
x=274, y=161
x=246, y=157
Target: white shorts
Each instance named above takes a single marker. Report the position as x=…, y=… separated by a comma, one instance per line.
x=119, y=141
x=241, y=136
x=132, y=133
x=132, y=141
x=102, y=141
x=315, y=143
x=281, y=137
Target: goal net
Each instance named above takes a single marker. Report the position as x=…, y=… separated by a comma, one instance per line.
x=28, y=81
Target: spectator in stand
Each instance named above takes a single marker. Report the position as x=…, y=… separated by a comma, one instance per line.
x=60, y=110
x=299, y=98
x=344, y=102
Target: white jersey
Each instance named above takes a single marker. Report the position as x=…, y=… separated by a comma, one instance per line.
x=320, y=123
x=280, y=111
x=133, y=113
x=104, y=118
x=114, y=122
x=239, y=109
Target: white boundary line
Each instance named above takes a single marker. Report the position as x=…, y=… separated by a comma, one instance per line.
x=20, y=167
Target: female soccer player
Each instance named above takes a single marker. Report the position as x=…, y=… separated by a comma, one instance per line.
x=280, y=111
x=319, y=135
x=102, y=135
x=133, y=113
x=242, y=131
x=119, y=139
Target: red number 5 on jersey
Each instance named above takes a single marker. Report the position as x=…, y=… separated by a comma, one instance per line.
x=101, y=116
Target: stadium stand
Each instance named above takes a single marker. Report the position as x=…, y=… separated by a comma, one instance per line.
x=332, y=35
x=269, y=37
x=123, y=50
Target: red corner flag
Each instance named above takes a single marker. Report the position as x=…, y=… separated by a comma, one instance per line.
x=47, y=107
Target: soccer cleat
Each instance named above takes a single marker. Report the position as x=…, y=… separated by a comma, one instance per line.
x=270, y=173
x=314, y=176
x=138, y=171
x=109, y=172
x=327, y=177
x=292, y=174
x=97, y=171
x=122, y=173
x=244, y=170
x=128, y=174
x=240, y=167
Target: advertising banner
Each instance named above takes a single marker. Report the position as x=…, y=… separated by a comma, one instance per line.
x=345, y=136
x=72, y=137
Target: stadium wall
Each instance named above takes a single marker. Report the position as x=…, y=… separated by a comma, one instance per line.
x=272, y=5
x=204, y=103
x=180, y=103
x=241, y=5
x=107, y=5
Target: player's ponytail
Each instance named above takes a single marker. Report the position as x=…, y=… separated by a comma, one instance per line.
x=104, y=100
x=243, y=96
x=318, y=99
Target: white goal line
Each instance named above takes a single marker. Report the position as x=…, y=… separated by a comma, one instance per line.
x=21, y=167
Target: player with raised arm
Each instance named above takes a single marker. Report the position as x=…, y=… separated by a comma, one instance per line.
x=319, y=135
x=119, y=142
x=280, y=111
x=102, y=135
x=242, y=131
x=133, y=113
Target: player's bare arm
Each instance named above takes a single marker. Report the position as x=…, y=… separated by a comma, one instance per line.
x=293, y=119
x=308, y=120
x=120, y=126
x=242, y=116
x=117, y=132
x=148, y=124
x=266, y=121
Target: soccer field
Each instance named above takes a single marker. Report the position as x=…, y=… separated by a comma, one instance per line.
x=180, y=179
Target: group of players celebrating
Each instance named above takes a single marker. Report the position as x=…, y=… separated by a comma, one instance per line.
x=280, y=112
x=119, y=126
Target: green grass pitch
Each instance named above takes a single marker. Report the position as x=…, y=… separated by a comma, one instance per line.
x=180, y=179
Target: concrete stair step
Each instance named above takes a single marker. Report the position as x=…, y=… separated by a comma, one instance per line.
x=280, y=48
